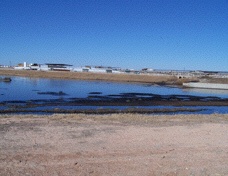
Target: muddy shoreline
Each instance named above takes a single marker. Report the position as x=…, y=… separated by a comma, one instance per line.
x=102, y=111
x=60, y=105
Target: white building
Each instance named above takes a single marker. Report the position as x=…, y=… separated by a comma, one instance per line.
x=23, y=66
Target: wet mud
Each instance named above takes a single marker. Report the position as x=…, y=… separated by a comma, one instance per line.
x=114, y=100
x=102, y=111
x=60, y=93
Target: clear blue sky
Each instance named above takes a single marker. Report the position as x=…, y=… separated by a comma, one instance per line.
x=159, y=34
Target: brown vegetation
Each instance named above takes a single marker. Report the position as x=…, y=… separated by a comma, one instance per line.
x=215, y=80
x=172, y=80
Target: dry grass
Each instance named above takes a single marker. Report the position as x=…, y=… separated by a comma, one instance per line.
x=91, y=76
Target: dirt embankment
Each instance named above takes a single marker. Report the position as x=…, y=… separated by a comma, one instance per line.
x=214, y=80
x=150, y=79
x=123, y=144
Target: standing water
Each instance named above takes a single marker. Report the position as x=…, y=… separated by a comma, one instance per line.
x=30, y=89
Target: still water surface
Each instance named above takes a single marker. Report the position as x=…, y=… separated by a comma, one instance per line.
x=27, y=88
x=22, y=88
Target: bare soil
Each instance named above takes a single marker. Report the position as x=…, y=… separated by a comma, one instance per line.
x=117, y=144
x=214, y=80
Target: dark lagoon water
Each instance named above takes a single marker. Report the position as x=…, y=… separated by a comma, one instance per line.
x=25, y=89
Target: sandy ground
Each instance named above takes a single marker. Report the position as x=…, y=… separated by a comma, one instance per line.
x=114, y=145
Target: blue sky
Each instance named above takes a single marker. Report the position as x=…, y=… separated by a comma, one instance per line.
x=159, y=34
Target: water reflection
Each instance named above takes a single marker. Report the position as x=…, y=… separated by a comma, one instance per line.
x=26, y=89
x=64, y=91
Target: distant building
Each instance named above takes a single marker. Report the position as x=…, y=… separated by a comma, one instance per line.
x=109, y=71
x=147, y=70
x=85, y=69
x=22, y=66
x=44, y=67
x=34, y=66
x=59, y=67
x=97, y=69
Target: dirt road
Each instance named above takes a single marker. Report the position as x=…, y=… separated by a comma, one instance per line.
x=114, y=145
